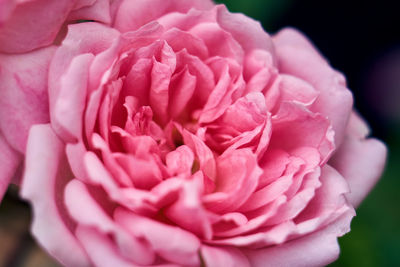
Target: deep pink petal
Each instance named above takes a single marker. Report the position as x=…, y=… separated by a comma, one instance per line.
x=42, y=185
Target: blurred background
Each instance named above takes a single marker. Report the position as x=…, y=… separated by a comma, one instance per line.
x=362, y=40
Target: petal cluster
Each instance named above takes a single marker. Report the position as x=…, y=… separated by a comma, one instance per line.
x=187, y=136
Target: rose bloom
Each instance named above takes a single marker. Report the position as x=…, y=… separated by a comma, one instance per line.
x=183, y=135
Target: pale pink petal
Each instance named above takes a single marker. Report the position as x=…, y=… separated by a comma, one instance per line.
x=42, y=185
x=328, y=204
x=131, y=15
x=9, y=161
x=248, y=32
x=223, y=256
x=170, y=242
x=100, y=248
x=70, y=104
x=295, y=89
x=297, y=56
x=361, y=162
x=317, y=249
x=87, y=212
x=75, y=154
x=294, y=126
x=23, y=94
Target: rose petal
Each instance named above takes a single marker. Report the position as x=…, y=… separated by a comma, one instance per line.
x=238, y=175
x=23, y=94
x=69, y=107
x=132, y=15
x=297, y=56
x=317, y=249
x=101, y=250
x=31, y=26
x=170, y=242
x=248, y=32
x=42, y=186
x=223, y=256
x=188, y=208
x=87, y=212
x=9, y=161
x=294, y=126
x=82, y=38
x=98, y=10
x=361, y=161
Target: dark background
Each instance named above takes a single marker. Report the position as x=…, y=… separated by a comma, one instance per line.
x=362, y=40
x=359, y=38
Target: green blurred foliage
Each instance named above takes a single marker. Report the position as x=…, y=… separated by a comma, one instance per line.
x=375, y=236
x=265, y=11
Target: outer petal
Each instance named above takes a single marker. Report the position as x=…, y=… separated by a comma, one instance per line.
x=248, y=32
x=9, y=161
x=223, y=256
x=39, y=186
x=23, y=94
x=31, y=26
x=7, y=7
x=361, y=161
x=297, y=56
x=69, y=107
x=131, y=15
x=317, y=249
x=97, y=10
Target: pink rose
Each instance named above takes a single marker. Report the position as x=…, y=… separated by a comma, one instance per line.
x=184, y=135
